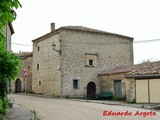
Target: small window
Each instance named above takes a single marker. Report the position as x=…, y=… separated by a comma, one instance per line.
x=37, y=66
x=39, y=83
x=90, y=62
x=75, y=84
x=38, y=48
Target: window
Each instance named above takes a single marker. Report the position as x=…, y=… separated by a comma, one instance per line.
x=90, y=62
x=75, y=84
x=38, y=48
x=37, y=66
x=39, y=83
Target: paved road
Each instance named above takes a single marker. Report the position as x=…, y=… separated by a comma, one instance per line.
x=61, y=109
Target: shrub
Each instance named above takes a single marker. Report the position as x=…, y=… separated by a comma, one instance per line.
x=1, y=103
x=67, y=96
x=133, y=101
x=119, y=98
x=5, y=104
x=2, y=111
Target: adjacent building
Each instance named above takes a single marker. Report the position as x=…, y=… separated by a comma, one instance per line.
x=9, y=32
x=23, y=82
x=139, y=83
x=67, y=61
x=145, y=83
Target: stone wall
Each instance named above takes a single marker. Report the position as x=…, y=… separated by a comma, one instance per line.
x=46, y=79
x=128, y=85
x=130, y=88
x=107, y=83
x=26, y=62
x=108, y=50
x=77, y=55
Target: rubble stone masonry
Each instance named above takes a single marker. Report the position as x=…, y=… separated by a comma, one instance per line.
x=83, y=55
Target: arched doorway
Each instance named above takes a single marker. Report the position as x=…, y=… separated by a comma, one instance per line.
x=91, y=90
x=18, y=86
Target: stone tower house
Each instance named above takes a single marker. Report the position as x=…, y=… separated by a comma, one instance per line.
x=66, y=61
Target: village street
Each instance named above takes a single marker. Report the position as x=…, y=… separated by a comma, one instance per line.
x=62, y=109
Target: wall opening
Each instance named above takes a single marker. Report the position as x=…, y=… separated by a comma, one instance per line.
x=18, y=86
x=91, y=90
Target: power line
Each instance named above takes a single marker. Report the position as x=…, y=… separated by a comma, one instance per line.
x=141, y=41
x=21, y=44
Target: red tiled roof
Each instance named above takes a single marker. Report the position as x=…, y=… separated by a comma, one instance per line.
x=120, y=69
x=152, y=68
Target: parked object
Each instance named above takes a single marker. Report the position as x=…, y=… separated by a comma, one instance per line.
x=105, y=95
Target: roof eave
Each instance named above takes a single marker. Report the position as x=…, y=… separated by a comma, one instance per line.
x=46, y=35
x=103, y=74
x=143, y=76
x=11, y=28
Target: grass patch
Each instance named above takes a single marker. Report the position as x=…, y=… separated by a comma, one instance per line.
x=34, y=115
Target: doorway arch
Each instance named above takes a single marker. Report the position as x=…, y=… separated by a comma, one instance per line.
x=91, y=90
x=18, y=86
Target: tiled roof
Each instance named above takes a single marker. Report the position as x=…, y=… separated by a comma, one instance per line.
x=79, y=28
x=86, y=29
x=120, y=69
x=146, y=69
x=25, y=54
x=152, y=68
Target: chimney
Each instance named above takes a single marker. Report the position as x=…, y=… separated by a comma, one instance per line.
x=52, y=27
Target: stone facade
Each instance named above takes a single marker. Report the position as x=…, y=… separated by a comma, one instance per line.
x=19, y=84
x=46, y=67
x=127, y=85
x=78, y=56
x=130, y=89
x=107, y=83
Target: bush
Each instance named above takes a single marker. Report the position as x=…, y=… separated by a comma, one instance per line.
x=119, y=98
x=2, y=111
x=133, y=101
x=3, y=106
x=1, y=103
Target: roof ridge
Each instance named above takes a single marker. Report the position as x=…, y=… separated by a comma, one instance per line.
x=79, y=28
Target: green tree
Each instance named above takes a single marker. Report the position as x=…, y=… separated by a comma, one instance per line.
x=145, y=61
x=7, y=14
x=10, y=64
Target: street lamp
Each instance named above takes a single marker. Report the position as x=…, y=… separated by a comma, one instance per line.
x=54, y=48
